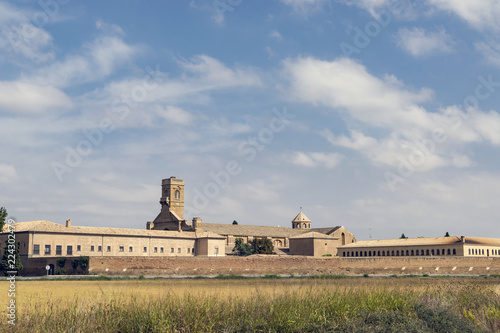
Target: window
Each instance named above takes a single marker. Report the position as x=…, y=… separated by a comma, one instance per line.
x=122, y=249
x=99, y=248
x=216, y=250
x=378, y=253
x=161, y=249
x=156, y=249
x=397, y=253
x=171, y=250
x=36, y=249
x=130, y=249
x=47, y=249
x=192, y=250
x=58, y=250
x=449, y=252
x=189, y=250
x=92, y=248
x=454, y=251
x=108, y=249
x=78, y=248
x=177, y=194
x=412, y=253
x=145, y=249
x=437, y=252
x=392, y=253
x=427, y=252
x=69, y=250
x=179, y=250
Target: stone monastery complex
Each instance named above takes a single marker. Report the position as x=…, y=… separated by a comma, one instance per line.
x=169, y=235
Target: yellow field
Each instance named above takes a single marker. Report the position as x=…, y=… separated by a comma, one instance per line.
x=327, y=303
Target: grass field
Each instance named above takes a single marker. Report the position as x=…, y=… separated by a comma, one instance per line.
x=258, y=305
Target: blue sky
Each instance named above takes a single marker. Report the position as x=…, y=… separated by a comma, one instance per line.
x=379, y=115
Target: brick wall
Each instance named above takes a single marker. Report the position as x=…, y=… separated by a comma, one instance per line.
x=292, y=265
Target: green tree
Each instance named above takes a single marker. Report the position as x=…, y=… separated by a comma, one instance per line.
x=235, y=222
x=3, y=216
x=262, y=246
x=403, y=236
x=242, y=249
x=7, y=264
x=447, y=234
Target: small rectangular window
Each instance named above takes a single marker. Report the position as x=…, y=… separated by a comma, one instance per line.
x=91, y=248
x=69, y=250
x=108, y=249
x=161, y=249
x=171, y=250
x=122, y=249
x=47, y=249
x=58, y=250
x=99, y=248
x=216, y=250
x=179, y=250
x=189, y=250
x=156, y=250
x=78, y=248
x=36, y=249
x=145, y=249
x=192, y=250
x=130, y=249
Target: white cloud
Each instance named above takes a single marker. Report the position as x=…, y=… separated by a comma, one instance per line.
x=18, y=36
x=419, y=42
x=8, y=173
x=490, y=51
x=276, y=35
x=316, y=159
x=97, y=60
x=175, y=115
x=23, y=97
x=480, y=14
x=408, y=129
x=305, y=7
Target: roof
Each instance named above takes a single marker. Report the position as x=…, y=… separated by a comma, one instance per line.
x=313, y=234
x=46, y=226
x=252, y=230
x=327, y=231
x=301, y=217
x=424, y=241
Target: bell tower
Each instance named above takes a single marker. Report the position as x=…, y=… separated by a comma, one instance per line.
x=171, y=216
x=172, y=197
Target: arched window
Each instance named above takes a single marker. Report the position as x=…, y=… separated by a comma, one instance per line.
x=437, y=251
x=383, y=253
x=357, y=254
x=303, y=225
x=369, y=253
x=454, y=251
x=397, y=253
x=177, y=195
x=426, y=252
x=450, y=252
x=365, y=253
x=348, y=253
x=343, y=239
x=412, y=253
x=407, y=252
x=392, y=253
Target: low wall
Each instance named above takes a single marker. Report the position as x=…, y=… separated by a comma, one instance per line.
x=262, y=265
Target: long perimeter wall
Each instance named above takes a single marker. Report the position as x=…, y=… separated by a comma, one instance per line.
x=293, y=265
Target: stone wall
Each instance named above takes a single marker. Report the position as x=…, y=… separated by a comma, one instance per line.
x=261, y=265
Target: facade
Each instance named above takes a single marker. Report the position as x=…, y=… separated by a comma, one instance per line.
x=417, y=247
x=48, y=240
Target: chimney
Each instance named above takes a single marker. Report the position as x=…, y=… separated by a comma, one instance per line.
x=150, y=225
x=68, y=223
x=462, y=238
x=197, y=224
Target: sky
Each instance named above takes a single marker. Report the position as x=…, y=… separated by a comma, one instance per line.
x=378, y=115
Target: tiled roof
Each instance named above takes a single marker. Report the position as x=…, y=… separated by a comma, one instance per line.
x=301, y=217
x=59, y=228
x=252, y=230
x=424, y=241
x=314, y=235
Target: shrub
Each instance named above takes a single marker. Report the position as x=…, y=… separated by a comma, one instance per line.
x=61, y=262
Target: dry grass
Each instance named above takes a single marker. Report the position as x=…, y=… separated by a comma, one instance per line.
x=270, y=305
